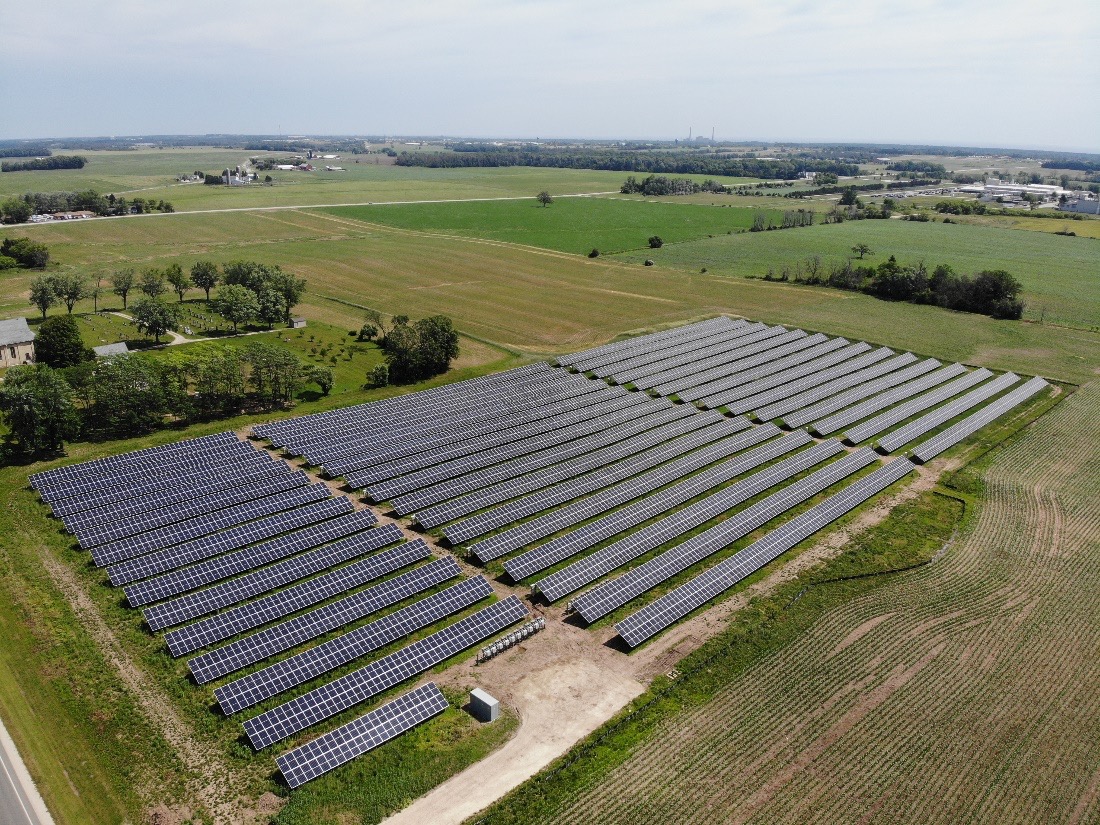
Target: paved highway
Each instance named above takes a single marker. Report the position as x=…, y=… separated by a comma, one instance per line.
x=20, y=803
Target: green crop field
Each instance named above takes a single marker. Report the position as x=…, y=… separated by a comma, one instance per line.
x=575, y=225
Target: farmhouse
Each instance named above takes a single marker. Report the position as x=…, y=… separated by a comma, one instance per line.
x=16, y=342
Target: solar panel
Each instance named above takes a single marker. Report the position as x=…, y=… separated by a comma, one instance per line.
x=340, y=746
x=290, y=431
x=972, y=423
x=347, y=691
x=941, y=415
x=621, y=350
x=106, y=532
x=625, y=481
x=233, y=478
x=316, y=661
x=346, y=544
x=634, y=406
x=805, y=415
x=606, y=597
x=446, y=426
x=901, y=412
x=100, y=466
x=727, y=376
x=204, y=547
x=634, y=545
x=388, y=462
x=613, y=441
x=832, y=423
x=731, y=361
x=763, y=399
x=658, y=615
x=628, y=372
x=495, y=494
x=562, y=547
x=735, y=388
x=130, y=546
x=283, y=603
x=624, y=359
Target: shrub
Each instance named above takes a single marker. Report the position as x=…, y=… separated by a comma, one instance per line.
x=595, y=253
x=655, y=242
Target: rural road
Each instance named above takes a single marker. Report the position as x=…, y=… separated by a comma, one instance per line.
x=318, y=206
x=20, y=803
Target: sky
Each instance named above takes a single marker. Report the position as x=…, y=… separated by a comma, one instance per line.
x=1000, y=73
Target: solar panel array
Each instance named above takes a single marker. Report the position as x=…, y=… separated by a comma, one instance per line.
x=972, y=423
x=656, y=616
x=340, y=746
x=251, y=569
x=353, y=688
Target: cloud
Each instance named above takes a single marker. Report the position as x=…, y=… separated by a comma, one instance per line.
x=1005, y=73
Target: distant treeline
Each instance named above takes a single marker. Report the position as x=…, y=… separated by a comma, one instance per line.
x=20, y=209
x=1079, y=165
x=39, y=164
x=25, y=150
x=990, y=292
x=681, y=163
x=918, y=167
x=862, y=187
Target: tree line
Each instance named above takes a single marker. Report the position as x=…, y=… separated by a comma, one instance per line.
x=41, y=164
x=20, y=209
x=989, y=292
x=127, y=395
x=414, y=351
x=11, y=149
x=918, y=167
x=681, y=163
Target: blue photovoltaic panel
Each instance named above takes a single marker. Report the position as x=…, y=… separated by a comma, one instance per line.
x=316, y=661
x=941, y=415
x=601, y=600
x=759, y=366
x=733, y=361
x=643, y=342
x=283, y=603
x=350, y=538
x=670, y=462
x=320, y=620
x=786, y=390
x=131, y=546
x=805, y=415
x=972, y=423
x=562, y=547
x=333, y=749
x=492, y=495
x=232, y=539
x=658, y=615
x=203, y=487
x=613, y=441
x=358, y=686
x=163, y=516
x=836, y=421
x=884, y=421
x=634, y=545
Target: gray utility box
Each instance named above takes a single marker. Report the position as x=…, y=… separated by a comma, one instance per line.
x=483, y=706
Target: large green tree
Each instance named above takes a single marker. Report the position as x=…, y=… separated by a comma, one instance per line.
x=57, y=343
x=152, y=283
x=43, y=293
x=128, y=395
x=205, y=275
x=180, y=280
x=37, y=408
x=154, y=318
x=122, y=282
x=237, y=304
x=70, y=288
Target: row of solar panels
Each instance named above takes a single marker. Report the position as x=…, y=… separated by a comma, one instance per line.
x=280, y=576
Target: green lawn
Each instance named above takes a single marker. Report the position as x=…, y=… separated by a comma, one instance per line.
x=569, y=224
x=1060, y=275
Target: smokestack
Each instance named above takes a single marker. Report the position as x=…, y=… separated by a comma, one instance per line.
x=712, y=134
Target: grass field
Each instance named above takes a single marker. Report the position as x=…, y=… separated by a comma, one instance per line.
x=575, y=225
x=543, y=301
x=960, y=691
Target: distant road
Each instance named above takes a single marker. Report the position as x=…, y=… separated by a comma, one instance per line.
x=317, y=206
x=20, y=802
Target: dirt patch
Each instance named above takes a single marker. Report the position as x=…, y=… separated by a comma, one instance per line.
x=858, y=634
x=558, y=706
